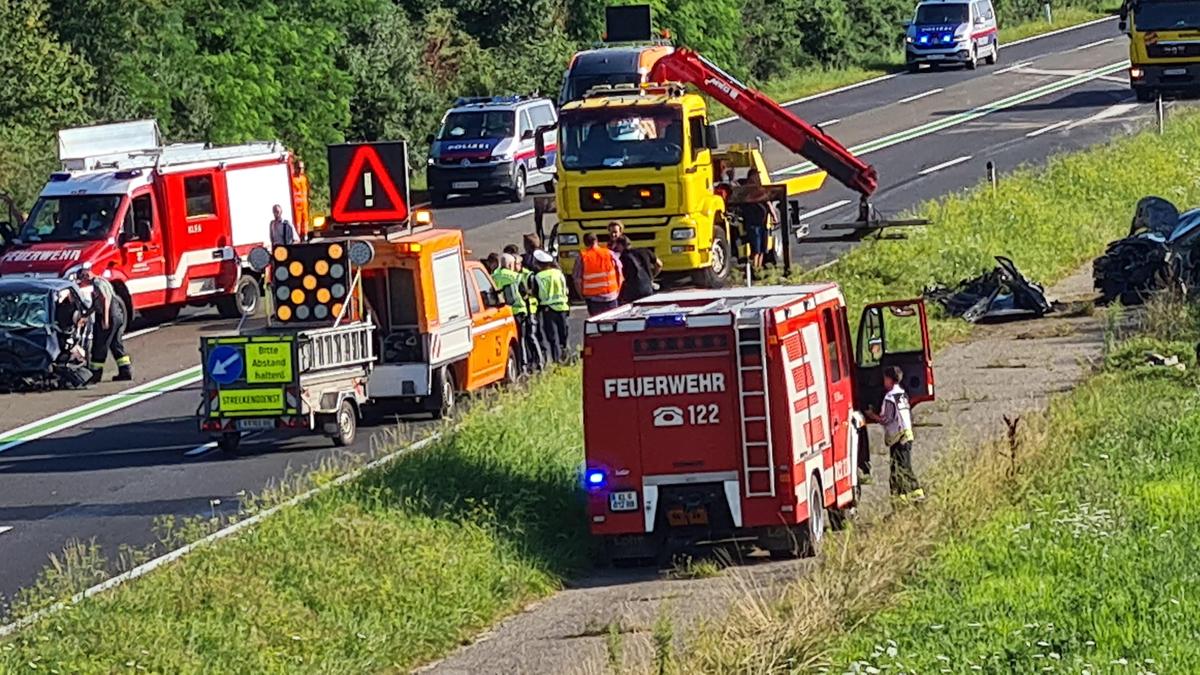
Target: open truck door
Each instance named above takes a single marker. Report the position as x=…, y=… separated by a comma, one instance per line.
x=894, y=333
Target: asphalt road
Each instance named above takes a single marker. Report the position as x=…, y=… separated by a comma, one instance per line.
x=103, y=464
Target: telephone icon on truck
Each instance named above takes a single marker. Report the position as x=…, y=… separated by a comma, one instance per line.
x=669, y=416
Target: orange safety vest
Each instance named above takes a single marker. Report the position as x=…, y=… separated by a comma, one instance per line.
x=300, y=202
x=599, y=273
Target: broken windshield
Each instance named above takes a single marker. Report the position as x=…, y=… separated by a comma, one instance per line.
x=23, y=310
x=621, y=138
x=71, y=218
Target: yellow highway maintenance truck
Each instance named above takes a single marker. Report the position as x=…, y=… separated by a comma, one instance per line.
x=1164, y=46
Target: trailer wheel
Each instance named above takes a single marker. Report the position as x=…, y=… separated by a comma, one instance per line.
x=814, y=527
x=230, y=443
x=714, y=275
x=347, y=424
x=246, y=297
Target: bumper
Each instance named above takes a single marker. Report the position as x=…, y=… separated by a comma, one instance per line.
x=470, y=179
x=1176, y=76
x=960, y=53
x=677, y=255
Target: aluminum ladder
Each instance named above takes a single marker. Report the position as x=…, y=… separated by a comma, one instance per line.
x=758, y=451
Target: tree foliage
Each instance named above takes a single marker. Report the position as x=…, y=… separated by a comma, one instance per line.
x=312, y=72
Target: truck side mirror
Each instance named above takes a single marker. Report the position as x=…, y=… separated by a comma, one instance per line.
x=491, y=299
x=1123, y=26
x=539, y=144
x=712, y=138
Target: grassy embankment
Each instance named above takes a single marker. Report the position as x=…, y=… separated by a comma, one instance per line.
x=397, y=568
x=814, y=81
x=1071, y=551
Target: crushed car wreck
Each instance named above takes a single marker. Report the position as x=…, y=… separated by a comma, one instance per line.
x=1159, y=250
x=43, y=335
x=999, y=295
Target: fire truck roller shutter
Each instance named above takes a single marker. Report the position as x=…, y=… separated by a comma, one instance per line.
x=451, y=339
x=253, y=192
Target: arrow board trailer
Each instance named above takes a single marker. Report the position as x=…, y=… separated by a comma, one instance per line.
x=733, y=417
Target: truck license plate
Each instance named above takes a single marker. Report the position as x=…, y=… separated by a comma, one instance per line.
x=255, y=425
x=623, y=501
x=465, y=185
x=1175, y=71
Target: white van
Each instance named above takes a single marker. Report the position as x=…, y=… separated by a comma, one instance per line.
x=952, y=31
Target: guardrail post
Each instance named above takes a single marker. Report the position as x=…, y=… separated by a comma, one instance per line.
x=1049, y=14
x=1160, y=113
x=991, y=174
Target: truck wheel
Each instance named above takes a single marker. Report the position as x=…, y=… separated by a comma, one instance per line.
x=230, y=443
x=246, y=297
x=157, y=315
x=715, y=274
x=347, y=424
x=813, y=533
x=512, y=369
x=443, y=400
x=519, y=185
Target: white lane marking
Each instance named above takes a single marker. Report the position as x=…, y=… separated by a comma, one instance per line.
x=209, y=446
x=828, y=123
x=5, y=528
x=89, y=411
x=527, y=212
x=1109, y=112
x=1011, y=68
x=917, y=97
x=223, y=533
x=890, y=76
x=824, y=209
x=1097, y=43
x=139, y=333
x=945, y=165
x=1046, y=130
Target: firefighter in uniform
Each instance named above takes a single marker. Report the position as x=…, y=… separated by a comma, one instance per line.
x=553, y=296
x=598, y=276
x=505, y=276
x=108, y=328
x=300, y=198
x=896, y=418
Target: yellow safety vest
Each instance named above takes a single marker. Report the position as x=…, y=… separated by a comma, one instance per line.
x=552, y=289
x=504, y=278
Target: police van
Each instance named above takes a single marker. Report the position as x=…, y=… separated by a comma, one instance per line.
x=953, y=32
x=486, y=146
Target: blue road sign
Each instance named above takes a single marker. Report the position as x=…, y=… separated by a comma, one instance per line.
x=225, y=364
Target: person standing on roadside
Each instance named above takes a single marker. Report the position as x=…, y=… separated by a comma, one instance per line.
x=282, y=232
x=507, y=276
x=637, y=267
x=108, y=327
x=598, y=276
x=300, y=197
x=551, y=286
x=896, y=418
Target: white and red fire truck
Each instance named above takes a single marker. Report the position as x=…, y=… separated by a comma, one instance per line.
x=735, y=416
x=169, y=225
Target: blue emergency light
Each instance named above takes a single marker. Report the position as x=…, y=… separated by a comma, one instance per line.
x=666, y=321
x=594, y=478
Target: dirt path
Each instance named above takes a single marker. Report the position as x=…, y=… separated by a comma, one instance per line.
x=1005, y=369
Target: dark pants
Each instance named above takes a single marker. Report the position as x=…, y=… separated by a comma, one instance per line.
x=595, y=307
x=531, y=351
x=554, y=331
x=903, y=480
x=110, y=340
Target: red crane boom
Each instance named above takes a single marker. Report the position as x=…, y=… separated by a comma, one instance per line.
x=802, y=138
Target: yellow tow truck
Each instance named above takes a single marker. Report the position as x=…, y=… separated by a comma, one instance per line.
x=1164, y=46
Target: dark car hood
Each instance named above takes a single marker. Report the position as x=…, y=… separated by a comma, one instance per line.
x=27, y=351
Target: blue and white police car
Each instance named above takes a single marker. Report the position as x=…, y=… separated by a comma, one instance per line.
x=953, y=32
x=487, y=146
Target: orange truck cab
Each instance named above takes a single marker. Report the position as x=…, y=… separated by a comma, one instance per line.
x=736, y=415
x=442, y=328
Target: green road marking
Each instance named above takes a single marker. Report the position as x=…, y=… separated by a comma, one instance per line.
x=974, y=114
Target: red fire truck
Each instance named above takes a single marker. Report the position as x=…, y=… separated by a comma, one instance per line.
x=734, y=417
x=169, y=225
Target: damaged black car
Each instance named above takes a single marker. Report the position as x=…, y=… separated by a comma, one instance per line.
x=1002, y=294
x=1161, y=250
x=43, y=335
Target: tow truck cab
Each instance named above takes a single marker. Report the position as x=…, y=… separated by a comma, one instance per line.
x=1164, y=46
x=735, y=415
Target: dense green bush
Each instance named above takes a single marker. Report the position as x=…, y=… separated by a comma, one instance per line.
x=318, y=71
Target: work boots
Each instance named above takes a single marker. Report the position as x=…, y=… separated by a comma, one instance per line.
x=97, y=376
x=124, y=374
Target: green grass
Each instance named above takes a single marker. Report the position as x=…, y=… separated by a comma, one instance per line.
x=1093, y=571
x=817, y=79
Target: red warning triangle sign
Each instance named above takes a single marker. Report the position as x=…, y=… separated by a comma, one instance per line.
x=362, y=183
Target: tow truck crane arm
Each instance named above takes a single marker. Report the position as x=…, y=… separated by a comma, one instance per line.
x=802, y=138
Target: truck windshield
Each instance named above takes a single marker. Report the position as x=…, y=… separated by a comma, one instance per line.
x=473, y=125
x=71, y=218
x=939, y=13
x=621, y=138
x=23, y=310
x=1167, y=15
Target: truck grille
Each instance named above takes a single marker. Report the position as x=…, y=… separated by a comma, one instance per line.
x=1173, y=50
x=623, y=198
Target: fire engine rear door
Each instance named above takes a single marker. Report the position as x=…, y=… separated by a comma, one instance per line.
x=894, y=333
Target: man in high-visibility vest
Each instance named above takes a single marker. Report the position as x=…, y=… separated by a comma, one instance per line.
x=553, y=296
x=300, y=198
x=598, y=276
x=896, y=418
x=507, y=276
